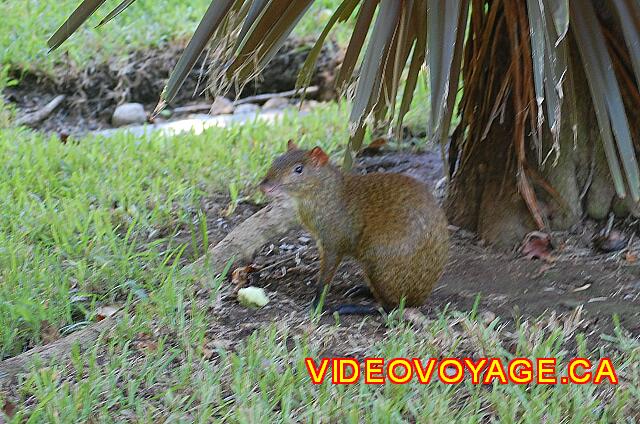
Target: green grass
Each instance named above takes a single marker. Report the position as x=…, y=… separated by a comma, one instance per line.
x=77, y=219
x=91, y=223
x=27, y=24
x=264, y=380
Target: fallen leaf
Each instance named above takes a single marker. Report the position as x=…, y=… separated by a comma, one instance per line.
x=240, y=276
x=9, y=409
x=631, y=257
x=49, y=332
x=103, y=312
x=374, y=147
x=537, y=245
x=598, y=299
x=144, y=341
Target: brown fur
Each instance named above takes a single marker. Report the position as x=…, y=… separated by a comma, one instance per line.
x=389, y=222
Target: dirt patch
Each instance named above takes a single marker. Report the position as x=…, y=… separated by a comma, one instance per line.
x=94, y=92
x=508, y=285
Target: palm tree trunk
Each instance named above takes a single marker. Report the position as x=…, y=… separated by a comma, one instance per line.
x=483, y=195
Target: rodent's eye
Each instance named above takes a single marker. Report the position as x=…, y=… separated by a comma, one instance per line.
x=298, y=169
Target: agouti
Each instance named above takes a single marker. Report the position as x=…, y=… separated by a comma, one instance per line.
x=389, y=222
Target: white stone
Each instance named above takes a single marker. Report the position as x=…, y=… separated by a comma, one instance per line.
x=221, y=106
x=276, y=103
x=247, y=108
x=127, y=114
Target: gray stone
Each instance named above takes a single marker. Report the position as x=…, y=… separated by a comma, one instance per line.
x=307, y=105
x=247, y=108
x=221, y=106
x=127, y=114
x=276, y=103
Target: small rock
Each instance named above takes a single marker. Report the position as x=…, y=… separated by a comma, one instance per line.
x=276, y=103
x=307, y=105
x=221, y=106
x=127, y=114
x=247, y=108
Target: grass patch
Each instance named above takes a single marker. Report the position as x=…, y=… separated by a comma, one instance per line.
x=264, y=378
x=91, y=219
x=27, y=24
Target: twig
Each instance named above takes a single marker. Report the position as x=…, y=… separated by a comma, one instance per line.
x=199, y=107
x=261, y=98
x=37, y=116
x=287, y=258
x=240, y=245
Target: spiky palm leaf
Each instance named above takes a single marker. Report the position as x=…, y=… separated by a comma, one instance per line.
x=456, y=40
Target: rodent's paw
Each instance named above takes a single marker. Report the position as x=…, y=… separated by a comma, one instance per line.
x=352, y=309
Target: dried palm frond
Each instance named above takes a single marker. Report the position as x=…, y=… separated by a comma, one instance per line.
x=457, y=40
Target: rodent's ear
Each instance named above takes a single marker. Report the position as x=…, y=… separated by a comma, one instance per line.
x=318, y=156
x=291, y=145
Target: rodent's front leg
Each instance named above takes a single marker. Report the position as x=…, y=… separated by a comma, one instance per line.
x=329, y=262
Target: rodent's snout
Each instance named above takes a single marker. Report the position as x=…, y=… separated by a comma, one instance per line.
x=267, y=187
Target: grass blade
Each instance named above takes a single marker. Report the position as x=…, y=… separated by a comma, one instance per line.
x=372, y=63
x=265, y=37
x=360, y=30
x=454, y=74
x=115, y=12
x=607, y=99
x=342, y=13
x=629, y=14
x=442, y=26
x=417, y=59
x=256, y=9
x=77, y=18
x=560, y=17
x=207, y=26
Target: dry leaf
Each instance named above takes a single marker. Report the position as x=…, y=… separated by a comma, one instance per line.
x=49, y=332
x=598, y=299
x=631, y=257
x=105, y=312
x=374, y=147
x=537, y=245
x=240, y=276
x=145, y=342
x=581, y=288
x=9, y=409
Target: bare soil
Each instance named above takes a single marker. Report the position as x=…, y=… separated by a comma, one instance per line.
x=509, y=285
x=92, y=93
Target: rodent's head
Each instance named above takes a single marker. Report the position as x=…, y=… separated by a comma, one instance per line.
x=297, y=173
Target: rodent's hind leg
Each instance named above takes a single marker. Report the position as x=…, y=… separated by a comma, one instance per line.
x=328, y=265
x=361, y=290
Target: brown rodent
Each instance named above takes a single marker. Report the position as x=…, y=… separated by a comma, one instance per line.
x=389, y=222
